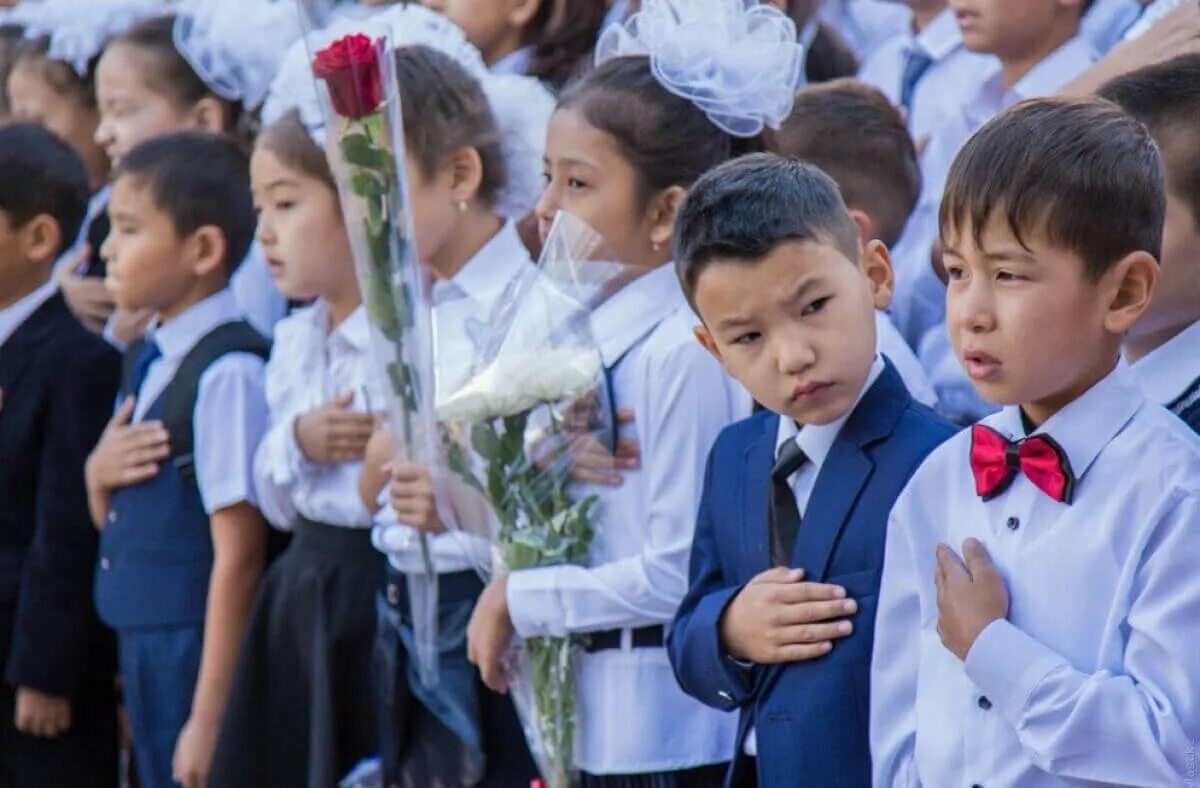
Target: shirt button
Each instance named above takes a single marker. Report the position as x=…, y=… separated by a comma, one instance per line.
x=1013, y=523
x=105, y=564
x=112, y=517
x=984, y=703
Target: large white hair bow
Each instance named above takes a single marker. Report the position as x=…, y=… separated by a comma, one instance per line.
x=236, y=46
x=77, y=35
x=737, y=60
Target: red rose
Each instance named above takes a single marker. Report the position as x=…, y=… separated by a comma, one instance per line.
x=350, y=69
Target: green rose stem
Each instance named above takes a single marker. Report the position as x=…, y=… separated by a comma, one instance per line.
x=391, y=312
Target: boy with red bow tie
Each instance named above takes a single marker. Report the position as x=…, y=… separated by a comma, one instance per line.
x=1061, y=647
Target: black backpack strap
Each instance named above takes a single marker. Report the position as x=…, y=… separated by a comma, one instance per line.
x=179, y=398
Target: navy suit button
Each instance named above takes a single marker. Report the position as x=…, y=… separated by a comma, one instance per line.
x=725, y=696
x=112, y=517
x=1013, y=523
x=105, y=564
x=984, y=703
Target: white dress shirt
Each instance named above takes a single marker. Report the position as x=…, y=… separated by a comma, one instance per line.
x=1107, y=21
x=231, y=407
x=1150, y=15
x=16, y=313
x=913, y=270
x=461, y=308
x=815, y=441
x=633, y=717
x=865, y=24
x=1094, y=677
x=889, y=342
x=951, y=79
x=1172, y=369
x=309, y=366
x=515, y=63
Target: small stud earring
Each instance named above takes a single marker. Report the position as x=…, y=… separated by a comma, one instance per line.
x=657, y=247
x=462, y=206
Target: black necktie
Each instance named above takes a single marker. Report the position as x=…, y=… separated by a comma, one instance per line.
x=785, y=516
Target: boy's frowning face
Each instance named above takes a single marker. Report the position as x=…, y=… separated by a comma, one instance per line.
x=796, y=328
x=1026, y=323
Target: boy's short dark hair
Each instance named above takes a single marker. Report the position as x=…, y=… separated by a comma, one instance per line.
x=1079, y=172
x=742, y=210
x=852, y=132
x=199, y=180
x=42, y=175
x=1166, y=98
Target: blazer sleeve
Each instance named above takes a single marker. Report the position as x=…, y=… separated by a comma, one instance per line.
x=55, y=622
x=701, y=665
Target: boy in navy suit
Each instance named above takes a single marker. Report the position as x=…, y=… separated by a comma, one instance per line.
x=58, y=721
x=788, y=551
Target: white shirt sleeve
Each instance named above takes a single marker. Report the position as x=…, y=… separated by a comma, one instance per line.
x=1138, y=726
x=228, y=424
x=896, y=656
x=682, y=409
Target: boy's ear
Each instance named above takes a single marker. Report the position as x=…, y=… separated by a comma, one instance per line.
x=467, y=174
x=206, y=250
x=877, y=265
x=1131, y=283
x=707, y=342
x=866, y=227
x=208, y=114
x=41, y=239
x=663, y=210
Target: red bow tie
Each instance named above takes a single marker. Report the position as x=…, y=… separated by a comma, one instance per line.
x=995, y=461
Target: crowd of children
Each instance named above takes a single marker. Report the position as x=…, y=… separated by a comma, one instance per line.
x=905, y=489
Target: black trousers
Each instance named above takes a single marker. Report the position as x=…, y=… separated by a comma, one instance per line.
x=700, y=777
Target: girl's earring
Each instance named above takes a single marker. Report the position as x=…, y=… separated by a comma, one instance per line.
x=657, y=247
x=462, y=206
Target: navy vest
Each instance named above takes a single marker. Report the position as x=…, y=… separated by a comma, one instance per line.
x=155, y=552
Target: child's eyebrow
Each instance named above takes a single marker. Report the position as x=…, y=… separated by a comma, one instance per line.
x=1009, y=256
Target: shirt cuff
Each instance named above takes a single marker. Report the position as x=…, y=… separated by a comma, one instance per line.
x=1007, y=665
x=533, y=602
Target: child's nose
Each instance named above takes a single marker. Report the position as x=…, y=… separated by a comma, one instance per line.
x=794, y=354
x=973, y=307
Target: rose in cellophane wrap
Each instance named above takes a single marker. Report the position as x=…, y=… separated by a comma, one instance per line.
x=538, y=398
x=364, y=132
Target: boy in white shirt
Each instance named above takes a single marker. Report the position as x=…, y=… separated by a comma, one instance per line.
x=1060, y=649
x=1164, y=347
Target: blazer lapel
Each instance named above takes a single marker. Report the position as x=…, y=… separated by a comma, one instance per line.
x=756, y=494
x=14, y=353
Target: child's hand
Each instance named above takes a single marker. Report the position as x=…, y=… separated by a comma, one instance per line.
x=412, y=496
x=489, y=635
x=593, y=463
x=126, y=454
x=334, y=434
x=969, y=597
x=376, y=462
x=38, y=714
x=194, y=753
x=86, y=296
x=780, y=618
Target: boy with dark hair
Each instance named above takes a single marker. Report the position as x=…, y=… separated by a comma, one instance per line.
x=778, y=616
x=171, y=481
x=1060, y=648
x=1164, y=346
x=58, y=723
x=851, y=132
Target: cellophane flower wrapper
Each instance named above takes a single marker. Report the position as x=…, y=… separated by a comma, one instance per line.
x=538, y=395
x=360, y=102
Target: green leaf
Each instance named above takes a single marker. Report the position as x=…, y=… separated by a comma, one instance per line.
x=367, y=186
x=380, y=309
x=358, y=150
x=485, y=441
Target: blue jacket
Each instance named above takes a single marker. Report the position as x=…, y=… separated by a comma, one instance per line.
x=810, y=718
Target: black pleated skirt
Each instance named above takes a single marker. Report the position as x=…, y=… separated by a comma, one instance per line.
x=301, y=710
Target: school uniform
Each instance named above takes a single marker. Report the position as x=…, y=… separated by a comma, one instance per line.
x=636, y=572
x=1094, y=677
x=864, y=24
x=459, y=732
x=256, y=293
x=1170, y=375
x=1151, y=14
x=93, y=233
x=889, y=342
x=1107, y=21
x=926, y=312
x=929, y=73
x=803, y=723
x=301, y=709
x=57, y=381
x=515, y=63
x=156, y=546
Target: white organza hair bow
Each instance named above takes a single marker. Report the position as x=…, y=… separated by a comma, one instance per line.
x=236, y=46
x=521, y=106
x=737, y=60
x=77, y=35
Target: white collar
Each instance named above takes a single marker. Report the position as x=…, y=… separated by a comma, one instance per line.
x=179, y=335
x=1169, y=370
x=486, y=275
x=816, y=440
x=940, y=37
x=1086, y=425
x=632, y=312
x=513, y=63
x=1046, y=78
x=13, y=315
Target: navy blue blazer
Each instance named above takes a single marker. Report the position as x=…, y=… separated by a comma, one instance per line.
x=810, y=718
